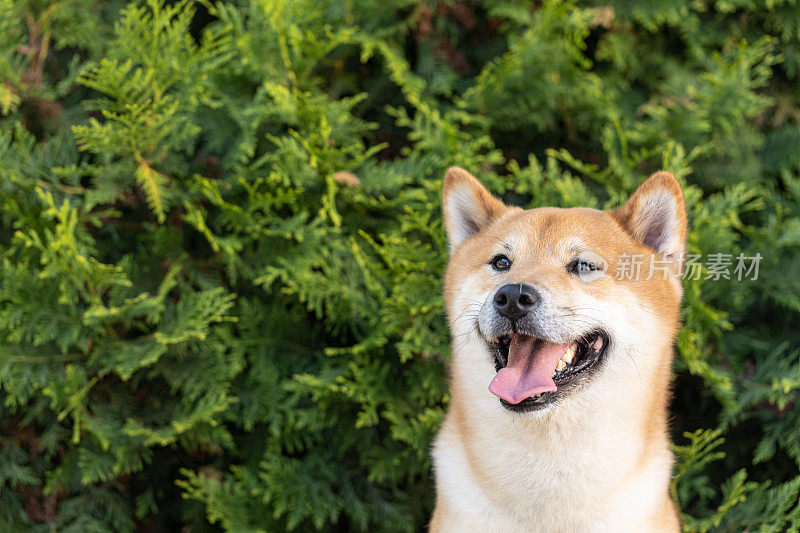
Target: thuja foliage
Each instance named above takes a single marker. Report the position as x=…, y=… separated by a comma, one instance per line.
x=221, y=246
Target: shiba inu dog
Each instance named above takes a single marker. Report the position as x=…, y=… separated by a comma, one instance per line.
x=560, y=372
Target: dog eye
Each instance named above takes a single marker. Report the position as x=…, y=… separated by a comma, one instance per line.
x=501, y=263
x=579, y=267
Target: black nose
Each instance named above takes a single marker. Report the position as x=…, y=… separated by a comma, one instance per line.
x=514, y=301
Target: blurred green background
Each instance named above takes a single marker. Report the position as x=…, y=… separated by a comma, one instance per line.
x=221, y=246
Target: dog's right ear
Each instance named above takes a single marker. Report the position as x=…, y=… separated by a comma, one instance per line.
x=655, y=214
x=468, y=206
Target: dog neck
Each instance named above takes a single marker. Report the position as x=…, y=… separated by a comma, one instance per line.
x=591, y=449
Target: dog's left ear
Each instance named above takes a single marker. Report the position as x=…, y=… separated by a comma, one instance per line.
x=468, y=206
x=655, y=214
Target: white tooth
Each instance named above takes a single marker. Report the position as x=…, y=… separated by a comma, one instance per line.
x=560, y=366
x=569, y=353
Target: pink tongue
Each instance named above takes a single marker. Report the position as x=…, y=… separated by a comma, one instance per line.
x=531, y=363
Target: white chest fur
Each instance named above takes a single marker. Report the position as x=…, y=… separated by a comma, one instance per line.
x=591, y=464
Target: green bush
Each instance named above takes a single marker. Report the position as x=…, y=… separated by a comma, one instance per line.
x=221, y=248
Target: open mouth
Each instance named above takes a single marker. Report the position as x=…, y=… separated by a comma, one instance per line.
x=531, y=372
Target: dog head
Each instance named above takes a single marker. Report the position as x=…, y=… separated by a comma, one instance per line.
x=546, y=304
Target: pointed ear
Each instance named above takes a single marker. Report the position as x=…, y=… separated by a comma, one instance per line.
x=655, y=214
x=468, y=206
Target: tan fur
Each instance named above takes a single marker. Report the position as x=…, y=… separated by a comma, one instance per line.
x=599, y=460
